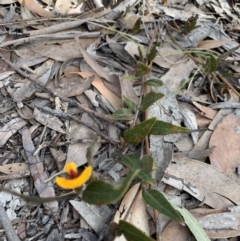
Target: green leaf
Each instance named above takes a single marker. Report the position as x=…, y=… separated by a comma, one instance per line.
x=158, y=201
x=122, y=114
x=144, y=165
x=153, y=52
x=142, y=69
x=139, y=132
x=131, y=105
x=154, y=82
x=148, y=163
x=137, y=26
x=149, y=99
x=193, y=225
x=190, y=24
x=164, y=128
x=131, y=233
x=130, y=77
x=211, y=65
x=141, y=58
x=99, y=192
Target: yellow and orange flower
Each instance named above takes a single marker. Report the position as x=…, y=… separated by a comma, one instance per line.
x=75, y=179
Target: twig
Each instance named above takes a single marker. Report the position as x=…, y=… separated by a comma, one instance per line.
x=70, y=117
x=59, y=27
x=8, y=228
x=17, y=42
x=40, y=200
x=225, y=105
x=65, y=99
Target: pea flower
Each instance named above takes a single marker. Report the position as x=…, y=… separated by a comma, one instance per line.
x=75, y=179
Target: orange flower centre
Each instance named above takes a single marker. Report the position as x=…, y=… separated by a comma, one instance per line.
x=73, y=174
x=75, y=180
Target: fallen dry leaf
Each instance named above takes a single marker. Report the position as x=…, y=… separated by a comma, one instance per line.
x=212, y=44
x=38, y=173
x=175, y=231
x=50, y=121
x=11, y=128
x=219, y=223
x=205, y=111
x=109, y=95
x=35, y=7
x=14, y=168
x=204, y=182
x=225, y=139
x=137, y=214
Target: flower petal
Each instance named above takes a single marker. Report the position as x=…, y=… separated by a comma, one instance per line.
x=76, y=182
x=69, y=167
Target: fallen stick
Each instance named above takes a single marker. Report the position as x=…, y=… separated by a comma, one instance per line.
x=7, y=226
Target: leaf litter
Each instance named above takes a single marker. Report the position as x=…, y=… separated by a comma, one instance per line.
x=68, y=66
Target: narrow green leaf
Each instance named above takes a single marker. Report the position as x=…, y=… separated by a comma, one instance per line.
x=137, y=26
x=140, y=53
x=153, y=52
x=139, y=132
x=149, y=99
x=148, y=163
x=122, y=114
x=99, y=192
x=130, y=77
x=142, y=69
x=131, y=105
x=193, y=225
x=191, y=24
x=164, y=128
x=154, y=82
x=211, y=65
x=158, y=201
x=131, y=233
x=144, y=165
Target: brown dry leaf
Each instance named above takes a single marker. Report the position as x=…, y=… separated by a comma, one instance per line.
x=25, y=112
x=24, y=91
x=63, y=6
x=175, y=231
x=202, y=121
x=206, y=111
x=95, y=216
x=93, y=63
x=137, y=215
x=34, y=7
x=11, y=128
x=219, y=223
x=50, y=121
x=112, y=80
x=60, y=52
x=127, y=90
x=59, y=156
x=57, y=50
x=71, y=85
x=212, y=44
x=204, y=182
x=226, y=139
x=177, y=74
x=109, y=95
x=77, y=152
x=14, y=168
x=37, y=172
